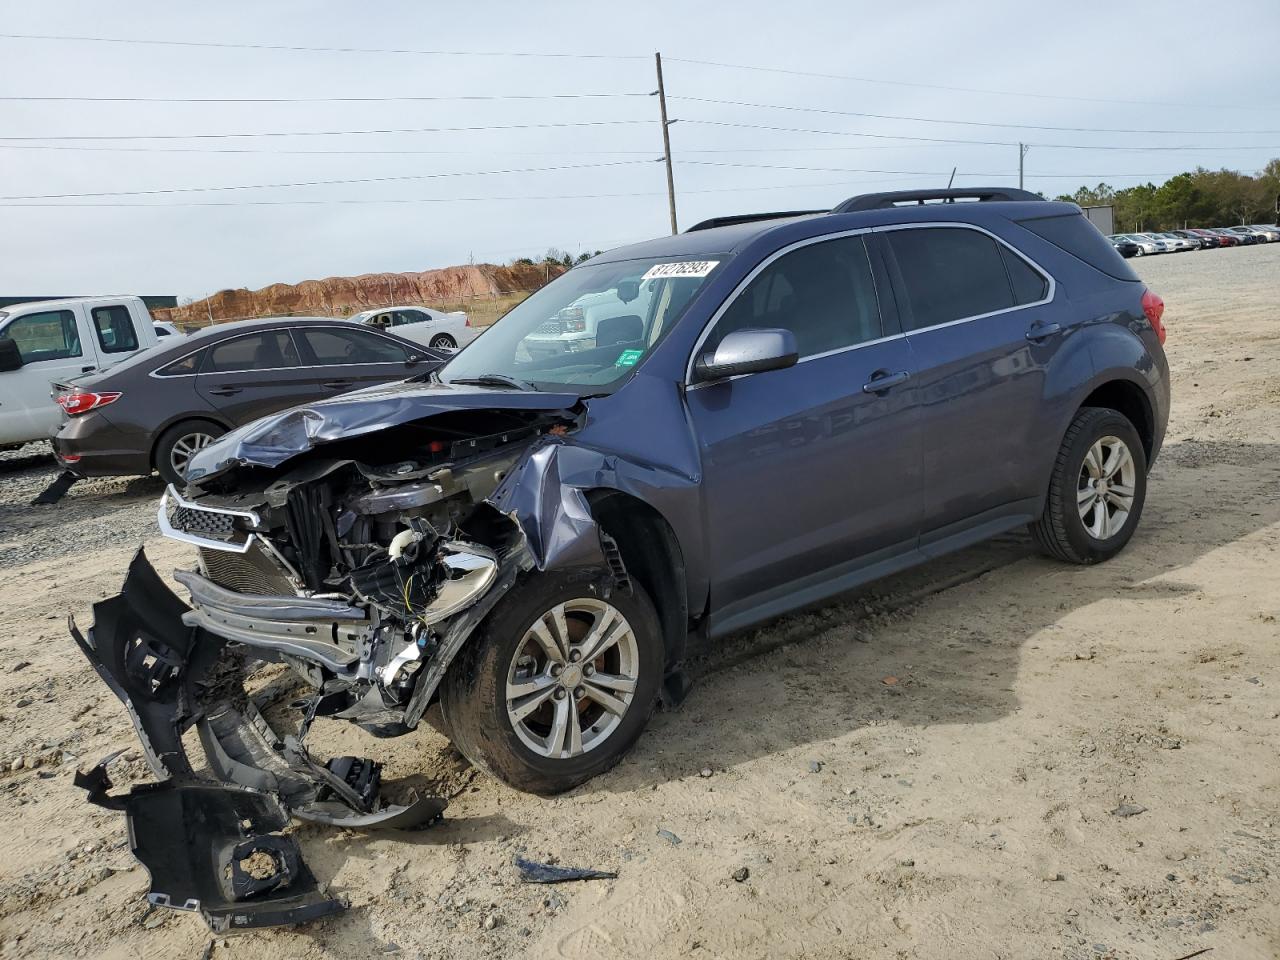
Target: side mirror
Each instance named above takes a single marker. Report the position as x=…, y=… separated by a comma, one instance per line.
x=10, y=355
x=748, y=351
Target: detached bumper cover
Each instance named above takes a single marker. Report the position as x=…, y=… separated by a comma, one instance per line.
x=172, y=675
x=216, y=850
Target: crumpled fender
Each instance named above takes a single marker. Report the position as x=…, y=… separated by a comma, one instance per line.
x=554, y=516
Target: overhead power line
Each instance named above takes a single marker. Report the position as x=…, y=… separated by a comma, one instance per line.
x=406, y=98
x=955, y=89
x=966, y=123
x=326, y=183
x=411, y=200
x=922, y=173
x=167, y=191
x=952, y=140
x=294, y=48
x=335, y=133
x=900, y=141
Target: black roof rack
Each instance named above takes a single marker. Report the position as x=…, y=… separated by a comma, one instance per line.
x=749, y=218
x=883, y=201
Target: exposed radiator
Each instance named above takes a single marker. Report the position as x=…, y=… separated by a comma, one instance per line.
x=251, y=572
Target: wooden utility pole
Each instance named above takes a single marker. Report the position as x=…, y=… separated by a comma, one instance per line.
x=666, y=143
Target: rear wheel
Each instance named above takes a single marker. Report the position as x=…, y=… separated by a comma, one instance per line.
x=557, y=683
x=1097, y=489
x=442, y=341
x=179, y=444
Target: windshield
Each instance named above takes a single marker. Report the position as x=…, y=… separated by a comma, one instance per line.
x=585, y=332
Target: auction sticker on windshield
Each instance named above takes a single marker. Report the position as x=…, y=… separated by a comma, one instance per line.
x=628, y=358
x=685, y=268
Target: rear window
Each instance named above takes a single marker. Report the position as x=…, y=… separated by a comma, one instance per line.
x=115, y=331
x=1080, y=238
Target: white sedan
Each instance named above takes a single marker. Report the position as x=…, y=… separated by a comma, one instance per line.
x=431, y=328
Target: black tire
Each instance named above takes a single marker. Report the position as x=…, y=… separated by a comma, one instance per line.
x=442, y=341
x=473, y=692
x=164, y=452
x=1061, y=532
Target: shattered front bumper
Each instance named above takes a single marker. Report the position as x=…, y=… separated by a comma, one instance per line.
x=217, y=846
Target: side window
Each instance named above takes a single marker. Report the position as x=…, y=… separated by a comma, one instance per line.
x=949, y=274
x=115, y=330
x=409, y=316
x=335, y=347
x=45, y=336
x=823, y=293
x=271, y=350
x=1029, y=284
x=182, y=366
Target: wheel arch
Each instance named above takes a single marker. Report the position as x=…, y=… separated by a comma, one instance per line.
x=651, y=553
x=1131, y=401
x=183, y=417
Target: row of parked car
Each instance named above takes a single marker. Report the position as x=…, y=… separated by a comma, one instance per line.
x=122, y=394
x=1199, y=238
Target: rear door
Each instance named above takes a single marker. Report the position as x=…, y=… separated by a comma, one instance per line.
x=254, y=374
x=347, y=358
x=54, y=349
x=116, y=333
x=982, y=326
x=808, y=469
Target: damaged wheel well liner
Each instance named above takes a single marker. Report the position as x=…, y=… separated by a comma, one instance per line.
x=652, y=555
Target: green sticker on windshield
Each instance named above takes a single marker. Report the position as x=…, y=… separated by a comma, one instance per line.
x=628, y=358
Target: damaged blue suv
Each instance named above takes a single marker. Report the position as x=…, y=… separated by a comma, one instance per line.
x=773, y=409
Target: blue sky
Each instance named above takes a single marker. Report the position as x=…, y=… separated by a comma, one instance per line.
x=776, y=138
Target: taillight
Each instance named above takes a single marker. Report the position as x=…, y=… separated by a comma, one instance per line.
x=467, y=320
x=77, y=403
x=1153, y=307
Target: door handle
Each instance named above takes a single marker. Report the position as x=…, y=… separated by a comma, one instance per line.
x=883, y=380
x=88, y=369
x=225, y=391
x=1042, y=331
x=338, y=384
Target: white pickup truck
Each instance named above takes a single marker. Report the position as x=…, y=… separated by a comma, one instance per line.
x=54, y=341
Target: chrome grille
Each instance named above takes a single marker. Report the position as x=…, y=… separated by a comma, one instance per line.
x=251, y=572
x=549, y=329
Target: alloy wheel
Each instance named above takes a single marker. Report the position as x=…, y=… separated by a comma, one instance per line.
x=572, y=678
x=186, y=447
x=1105, y=489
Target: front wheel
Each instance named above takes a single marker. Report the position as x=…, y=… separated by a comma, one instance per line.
x=557, y=683
x=442, y=341
x=1097, y=489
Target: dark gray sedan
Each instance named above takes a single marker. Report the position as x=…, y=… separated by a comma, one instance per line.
x=157, y=409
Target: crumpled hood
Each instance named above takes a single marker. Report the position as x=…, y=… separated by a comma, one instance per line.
x=271, y=440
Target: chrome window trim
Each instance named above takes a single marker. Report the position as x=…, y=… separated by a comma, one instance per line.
x=157, y=375
x=888, y=228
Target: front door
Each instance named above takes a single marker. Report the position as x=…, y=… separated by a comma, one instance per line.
x=52, y=349
x=344, y=358
x=813, y=469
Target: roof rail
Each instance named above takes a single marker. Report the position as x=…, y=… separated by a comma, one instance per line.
x=749, y=218
x=884, y=201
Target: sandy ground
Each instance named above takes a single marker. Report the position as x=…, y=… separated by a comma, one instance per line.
x=965, y=809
